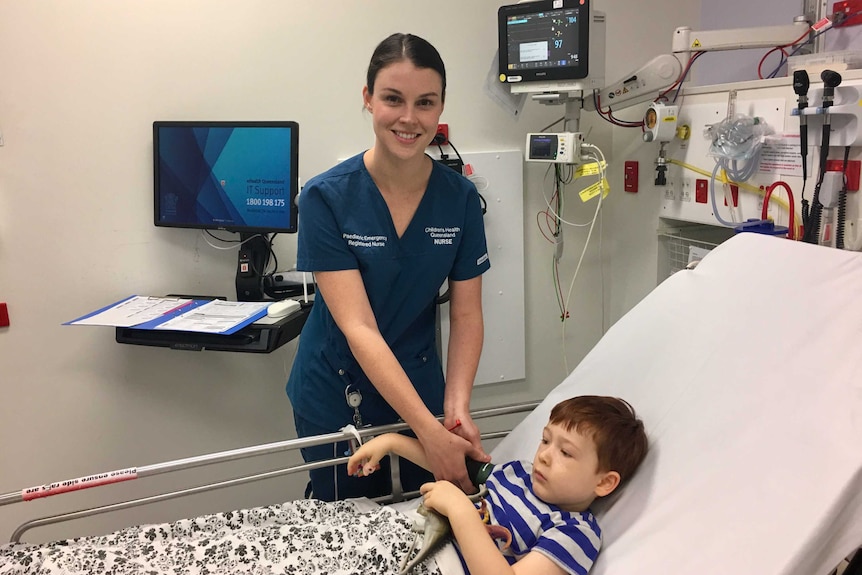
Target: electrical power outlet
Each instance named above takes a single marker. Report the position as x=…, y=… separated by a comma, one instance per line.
x=851, y=8
x=442, y=137
x=1, y=139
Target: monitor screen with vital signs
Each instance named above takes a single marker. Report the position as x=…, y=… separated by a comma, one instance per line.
x=546, y=40
x=236, y=176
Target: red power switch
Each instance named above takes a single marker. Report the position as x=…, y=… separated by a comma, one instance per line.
x=630, y=178
x=4, y=315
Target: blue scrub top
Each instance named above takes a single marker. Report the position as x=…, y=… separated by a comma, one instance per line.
x=344, y=223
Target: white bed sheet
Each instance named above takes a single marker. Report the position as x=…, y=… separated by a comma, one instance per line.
x=748, y=376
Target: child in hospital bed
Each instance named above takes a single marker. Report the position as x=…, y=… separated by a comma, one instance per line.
x=590, y=446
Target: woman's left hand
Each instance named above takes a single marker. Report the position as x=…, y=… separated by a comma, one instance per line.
x=463, y=425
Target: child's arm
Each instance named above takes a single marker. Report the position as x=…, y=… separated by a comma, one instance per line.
x=478, y=549
x=367, y=458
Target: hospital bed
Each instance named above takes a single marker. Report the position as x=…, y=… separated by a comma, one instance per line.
x=746, y=374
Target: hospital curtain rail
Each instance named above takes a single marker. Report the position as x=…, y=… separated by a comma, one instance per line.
x=246, y=453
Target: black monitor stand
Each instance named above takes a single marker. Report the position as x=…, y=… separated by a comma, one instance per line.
x=252, y=261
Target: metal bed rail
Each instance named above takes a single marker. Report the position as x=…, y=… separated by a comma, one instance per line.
x=106, y=478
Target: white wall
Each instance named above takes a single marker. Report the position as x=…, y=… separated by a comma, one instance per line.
x=741, y=65
x=80, y=85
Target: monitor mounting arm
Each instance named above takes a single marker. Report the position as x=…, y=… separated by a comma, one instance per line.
x=645, y=83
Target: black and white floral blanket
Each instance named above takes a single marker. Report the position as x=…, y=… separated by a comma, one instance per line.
x=299, y=537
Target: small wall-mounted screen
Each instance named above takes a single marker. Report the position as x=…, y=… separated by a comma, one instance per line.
x=543, y=147
x=236, y=176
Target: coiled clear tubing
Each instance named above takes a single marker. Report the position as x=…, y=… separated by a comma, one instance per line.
x=735, y=144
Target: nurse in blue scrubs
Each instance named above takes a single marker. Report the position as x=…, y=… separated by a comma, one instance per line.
x=382, y=232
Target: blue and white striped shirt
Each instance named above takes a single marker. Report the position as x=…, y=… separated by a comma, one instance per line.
x=571, y=540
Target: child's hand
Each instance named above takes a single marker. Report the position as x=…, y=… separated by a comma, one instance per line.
x=366, y=459
x=446, y=498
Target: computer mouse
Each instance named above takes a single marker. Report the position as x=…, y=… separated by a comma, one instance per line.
x=282, y=308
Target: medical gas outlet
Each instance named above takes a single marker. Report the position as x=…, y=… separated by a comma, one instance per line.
x=559, y=148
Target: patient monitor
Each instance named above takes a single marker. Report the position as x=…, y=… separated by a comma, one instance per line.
x=551, y=47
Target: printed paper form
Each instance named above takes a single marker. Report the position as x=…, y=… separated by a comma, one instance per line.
x=133, y=311
x=217, y=316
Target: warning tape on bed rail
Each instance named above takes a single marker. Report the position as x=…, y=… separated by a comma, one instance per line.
x=79, y=483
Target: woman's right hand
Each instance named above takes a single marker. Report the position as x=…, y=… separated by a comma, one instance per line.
x=446, y=454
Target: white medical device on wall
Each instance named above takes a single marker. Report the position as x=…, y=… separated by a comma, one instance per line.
x=660, y=122
x=844, y=114
x=560, y=148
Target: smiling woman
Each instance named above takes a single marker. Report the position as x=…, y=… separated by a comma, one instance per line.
x=405, y=122
x=382, y=231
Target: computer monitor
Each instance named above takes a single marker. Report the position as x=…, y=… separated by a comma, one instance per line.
x=551, y=46
x=234, y=176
